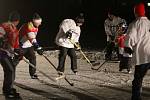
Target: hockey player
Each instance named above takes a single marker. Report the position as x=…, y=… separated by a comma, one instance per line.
x=125, y=58
x=69, y=29
x=9, y=45
x=111, y=25
x=28, y=33
x=137, y=42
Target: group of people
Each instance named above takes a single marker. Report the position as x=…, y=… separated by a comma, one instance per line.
x=131, y=43
x=116, y=29
x=14, y=44
x=127, y=41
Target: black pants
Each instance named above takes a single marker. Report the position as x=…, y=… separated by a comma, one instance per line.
x=9, y=68
x=62, y=57
x=109, y=50
x=140, y=71
x=30, y=55
x=125, y=63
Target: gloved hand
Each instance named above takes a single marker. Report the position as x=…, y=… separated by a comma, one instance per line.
x=77, y=46
x=128, y=50
x=19, y=53
x=40, y=50
x=68, y=34
x=35, y=45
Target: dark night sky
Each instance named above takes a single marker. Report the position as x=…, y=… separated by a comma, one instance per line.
x=54, y=11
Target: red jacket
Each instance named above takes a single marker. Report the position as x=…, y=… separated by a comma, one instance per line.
x=121, y=40
x=11, y=35
x=27, y=28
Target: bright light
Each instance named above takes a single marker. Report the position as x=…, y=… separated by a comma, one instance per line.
x=148, y=4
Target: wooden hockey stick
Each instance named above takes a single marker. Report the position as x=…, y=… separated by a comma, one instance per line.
x=71, y=84
x=38, y=69
x=60, y=77
x=33, y=66
x=100, y=65
x=82, y=53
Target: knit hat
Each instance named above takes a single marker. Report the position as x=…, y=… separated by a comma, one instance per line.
x=36, y=19
x=36, y=16
x=14, y=16
x=80, y=18
x=139, y=9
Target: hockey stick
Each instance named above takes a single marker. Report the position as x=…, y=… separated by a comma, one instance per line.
x=82, y=53
x=71, y=84
x=60, y=77
x=33, y=66
x=38, y=69
x=100, y=65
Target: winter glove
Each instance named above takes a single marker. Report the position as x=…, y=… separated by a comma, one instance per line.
x=19, y=53
x=128, y=50
x=35, y=45
x=38, y=48
x=77, y=46
x=68, y=34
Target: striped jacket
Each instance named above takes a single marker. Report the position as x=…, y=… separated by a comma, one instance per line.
x=28, y=34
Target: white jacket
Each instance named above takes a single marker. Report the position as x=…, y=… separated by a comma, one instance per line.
x=65, y=26
x=138, y=39
x=111, y=27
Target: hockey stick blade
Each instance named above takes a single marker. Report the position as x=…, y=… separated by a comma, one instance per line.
x=60, y=77
x=71, y=84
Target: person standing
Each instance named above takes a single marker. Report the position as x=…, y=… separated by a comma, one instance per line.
x=125, y=58
x=69, y=31
x=112, y=25
x=9, y=44
x=29, y=44
x=137, y=42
